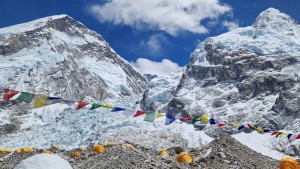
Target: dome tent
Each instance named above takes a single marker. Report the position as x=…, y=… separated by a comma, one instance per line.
x=44, y=161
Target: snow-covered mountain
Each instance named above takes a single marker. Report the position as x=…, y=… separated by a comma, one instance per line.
x=249, y=74
x=60, y=57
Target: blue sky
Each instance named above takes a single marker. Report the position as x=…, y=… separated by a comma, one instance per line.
x=162, y=33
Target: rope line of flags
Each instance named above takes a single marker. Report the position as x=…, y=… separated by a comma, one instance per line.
x=40, y=100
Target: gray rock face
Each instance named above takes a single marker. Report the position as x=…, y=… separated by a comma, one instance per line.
x=59, y=56
x=249, y=75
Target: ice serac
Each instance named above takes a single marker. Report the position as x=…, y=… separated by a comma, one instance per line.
x=249, y=74
x=59, y=56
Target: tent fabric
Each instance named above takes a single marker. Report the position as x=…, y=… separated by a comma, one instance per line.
x=44, y=161
x=138, y=113
x=9, y=93
x=288, y=163
x=81, y=105
x=150, y=117
x=5, y=150
x=26, y=97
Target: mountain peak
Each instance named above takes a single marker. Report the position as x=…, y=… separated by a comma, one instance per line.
x=29, y=26
x=273, y=18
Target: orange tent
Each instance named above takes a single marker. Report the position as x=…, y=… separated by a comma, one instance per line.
x=289, y=163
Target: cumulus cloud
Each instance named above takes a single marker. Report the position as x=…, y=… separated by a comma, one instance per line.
x=154, y=44
x=171, y=16
x=146, y=66
x=230, y=25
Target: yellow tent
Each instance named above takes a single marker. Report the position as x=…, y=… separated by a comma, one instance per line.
x=25, y=150
x=5, y=150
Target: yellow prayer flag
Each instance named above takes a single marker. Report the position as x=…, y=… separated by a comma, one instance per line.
x=283, y=134
x=259, y=129
x=40, y=101
x=107, y=106
x=158, y=115
x=204, y=119
x=236, y=125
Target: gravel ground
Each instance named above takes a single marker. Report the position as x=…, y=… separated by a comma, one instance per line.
x=222, y=153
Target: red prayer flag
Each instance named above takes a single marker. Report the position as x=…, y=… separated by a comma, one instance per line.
x=251, y=127
x=186, y=119
x=9, y=93
x=298, y=136
x=274, y=133
x=81, y=105
x=138, y=113
x=221, y=124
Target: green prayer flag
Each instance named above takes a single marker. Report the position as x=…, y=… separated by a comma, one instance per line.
x=195, y=119
x=150, y=117
x=95, y=106
x=26, y=97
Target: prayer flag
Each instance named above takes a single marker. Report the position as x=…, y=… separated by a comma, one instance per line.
x=158, y=115
x=169, y=119
x=236, y=125
x=117, y=109
x=266, y=130
x=138, y=113
x=212, y=121
x=241, y=127
x=68, y=102
x=204, y=118
x=298, y=136
x=251, y=127
x=259, y=129
x=40, y=101
x=9, y=93
x=81, y=105
x=289, y=136
x=95, y=106
x=26, y=97
x=107, y=106
x=221, y=124
x=149, y=117
x=129, y=112
x=274, y=133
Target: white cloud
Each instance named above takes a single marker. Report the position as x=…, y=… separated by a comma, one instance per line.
x=154, y=44
x=146, y=66
x=230, y=25
x=167, y=15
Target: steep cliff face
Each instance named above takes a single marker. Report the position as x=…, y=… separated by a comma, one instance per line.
x=59, y=56
x=250, y=74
